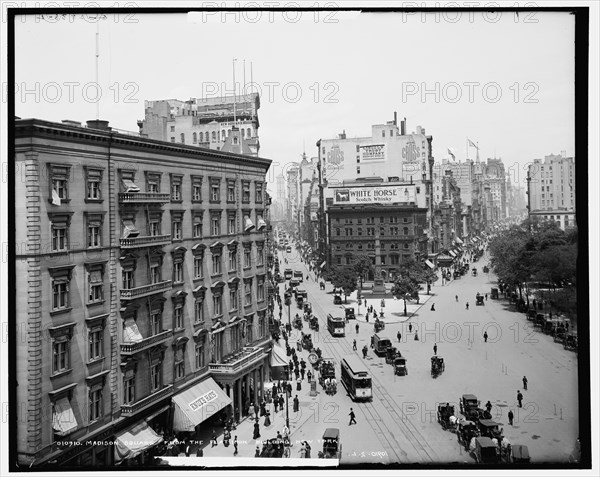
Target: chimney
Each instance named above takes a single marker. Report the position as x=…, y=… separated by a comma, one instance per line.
x=403, y=127
x=98, y=124
x=395, y=118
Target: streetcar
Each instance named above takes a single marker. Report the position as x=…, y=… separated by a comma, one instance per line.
x=298, y=275
x=336, y=325
x=355, y=378
x=288, y=273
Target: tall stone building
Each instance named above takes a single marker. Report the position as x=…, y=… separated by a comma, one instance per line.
x=140, y=280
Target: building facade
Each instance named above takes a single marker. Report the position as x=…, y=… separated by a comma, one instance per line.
x=141, y=285
x=360, y=215
x=552, y=189
x=203, y=122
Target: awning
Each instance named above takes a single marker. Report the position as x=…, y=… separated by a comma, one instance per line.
x=278, y=356
x=323, y=264
x=129, y=229
x=198, y=403
x=458, y=240
x=429, y=264
x=131, y=333
x=452, y=253
x=63, y=419
x=134, y=441
x=130, y=186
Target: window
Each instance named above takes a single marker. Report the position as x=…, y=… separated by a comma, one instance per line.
x=215, y=190
x=348, y=232
x=95, y=343
x=94, y=230
x=360, y=231
x=179, y=363
x=197, y=225
x=358, y=170
x=382, y=133
x=93, y=178
x=199, y=311
x=338, y=232
x=199, y=356
x=260, y=256
x=371, y=231
x=59, y=175
x=247, y=293
x=195, y=138
x=381, y=231
x=96, y=285
x=217, y=305
x=231, y=191
x=129, y=387
x=156, y=322
x=178, y=317
x=198, y=264
x=381, y=220
x=128, y=279
x=231, y=223
x=154, y=224
x=233, y=298
x=214, y=136
x=259, y=192
x=260, y=289
x=61, y=355
x=178, y=272
x=172, y=129
x=232, y=260
x=245, y=192
x=196, y=188
x=59, y=237
x=95, y=399
x=60, y=295
x=176, y=181
x=172, y=139
x=176, y=230
x=349, y=245
x=215, y=225
x=405, y=231
x=339, y=260
x=348, y=260
x=216, y=263
x=155, y=377
x=249, y=133
x=155, y=272
x=182, y=136
x=247, y=257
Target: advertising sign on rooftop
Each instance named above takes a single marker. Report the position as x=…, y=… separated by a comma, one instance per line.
x=375, y=195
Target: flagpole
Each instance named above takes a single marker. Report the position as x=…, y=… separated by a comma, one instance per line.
x=467, y=148
x=477, y=151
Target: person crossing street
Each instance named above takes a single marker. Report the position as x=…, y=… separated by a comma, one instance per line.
x=525, y=383
x=352, y=417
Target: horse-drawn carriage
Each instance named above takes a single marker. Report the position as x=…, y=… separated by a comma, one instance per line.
x=465, y=431
x=307, y=342
x=446, y=417
x=326, y=370
x=390, y=354
x=378, y=325
x=437, y=366
x=314, y=323
x=494, y=294
x=298, y=323
x=479, y=299
x=400, y=368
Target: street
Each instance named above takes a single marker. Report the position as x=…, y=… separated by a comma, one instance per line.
x=400, y=424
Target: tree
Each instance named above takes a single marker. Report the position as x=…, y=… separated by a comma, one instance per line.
x=405, y=288
x=362, y=265
x=344, y=278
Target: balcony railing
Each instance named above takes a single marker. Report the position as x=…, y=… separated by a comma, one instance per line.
x=132, y=348
x=144, y=198
x=232, y=364
x=139, y=292
x=129, y=409
x=145, y=241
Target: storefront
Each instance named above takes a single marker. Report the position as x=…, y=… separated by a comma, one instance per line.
x=134, y=446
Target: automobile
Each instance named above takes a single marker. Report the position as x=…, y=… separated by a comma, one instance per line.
x=494, y=294
x=456, y=275
x=444, y=413
x=474, y=272
x=288, y=273
x=468, y=404
x=400, y=368
x=350, y=313
x=437, y=366
x=288, y=249
x=337, y=300
x=300, y=301
x=489, y=428
x=332, y=448
x=294, y=283
x=298, y=275
x=485, y=451
x=326, y=370
x=307, y=342
x=479, y=300
x=390, y=354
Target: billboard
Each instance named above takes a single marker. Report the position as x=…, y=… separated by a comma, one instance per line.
x=375, y=195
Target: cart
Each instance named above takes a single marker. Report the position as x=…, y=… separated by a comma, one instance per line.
x=332, y=448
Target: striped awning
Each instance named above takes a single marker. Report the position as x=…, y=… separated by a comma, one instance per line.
x=131, y=332
x=63, y=419
x=196, y=404
x=130, y=186
x=134, y=441
x=429, y=264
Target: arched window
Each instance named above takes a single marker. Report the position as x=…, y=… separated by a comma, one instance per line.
x=249, y=133
x=214, y=136
x=182, y=138
x=223, y=135
x=201, y=139
x=235, y=140
x=195, y=138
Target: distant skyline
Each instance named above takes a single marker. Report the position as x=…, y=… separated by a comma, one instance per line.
x=319, y=78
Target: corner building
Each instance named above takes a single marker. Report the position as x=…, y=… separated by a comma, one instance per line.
x=140, y=290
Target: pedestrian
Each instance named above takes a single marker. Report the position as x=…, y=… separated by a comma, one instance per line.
x=302, y=373
x=235, y=446
x=289, y=389
x=256, y=409
x=302, y=364
x=309, y=375
x=298, y=385
x=354, y=345
x=410, y=327
x=525, y=383
x=257, y=452
x=486, y=297
x=488, y=406
x=433, y=307
x=302, y=452
x=307, y=447
x=456, y=296
x=510, y=417
x=296, y=373
x=352, y=417
x=199, y=452
x=188, y=447
x=296, y=404
x=365, y=302
x=214, y=438
x=520, y=398
x=399, y=335
x=365, y=351
x=356, y=327
x=467, y=305
x=276, y=403
x=435, y=349
x=485, y=336
x=263, y=407
x=372, y=341
x=281, y=401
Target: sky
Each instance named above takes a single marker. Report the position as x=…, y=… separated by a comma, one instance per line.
x=503, y=81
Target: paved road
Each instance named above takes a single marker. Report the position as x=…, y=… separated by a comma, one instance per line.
x=400, y=424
